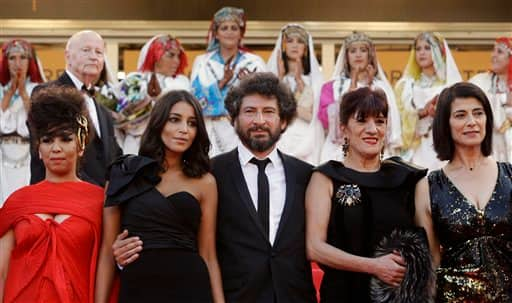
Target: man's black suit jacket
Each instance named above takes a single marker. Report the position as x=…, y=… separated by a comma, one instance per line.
x=252, y=269
x=98, y=154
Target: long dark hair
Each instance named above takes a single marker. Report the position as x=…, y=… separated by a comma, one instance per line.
x=304, y=60
x=195, y=159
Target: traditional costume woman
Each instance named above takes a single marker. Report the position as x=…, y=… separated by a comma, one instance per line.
x=14, y=143
x=415, y=90
x=209, y=70
x=341, y=83
x=158, y=82
x=498, y=88
x=304, y=136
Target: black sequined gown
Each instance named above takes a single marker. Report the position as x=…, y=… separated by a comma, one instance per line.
x=476, y=260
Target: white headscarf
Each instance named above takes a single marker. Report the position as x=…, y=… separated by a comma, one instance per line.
x=341, y=70
x=445, y=66
x=144, y=52
x=315, y=135
x=316, y=75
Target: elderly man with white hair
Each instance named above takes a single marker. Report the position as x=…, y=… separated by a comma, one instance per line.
x=85, y=66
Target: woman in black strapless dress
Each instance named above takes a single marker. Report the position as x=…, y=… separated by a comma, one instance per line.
x=168, y=199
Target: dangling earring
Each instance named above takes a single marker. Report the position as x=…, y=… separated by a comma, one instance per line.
x=344, y=146
x=382, y=154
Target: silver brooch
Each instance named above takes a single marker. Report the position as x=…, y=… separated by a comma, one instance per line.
x=348, y=195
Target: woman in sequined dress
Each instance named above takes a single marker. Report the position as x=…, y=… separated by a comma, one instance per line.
x=465, y=207
x=352, y=206
x=430, y=68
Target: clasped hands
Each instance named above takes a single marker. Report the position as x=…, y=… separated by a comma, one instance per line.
x=367, y=72
x=17, y=84
x=229, y=72
x=297, y=74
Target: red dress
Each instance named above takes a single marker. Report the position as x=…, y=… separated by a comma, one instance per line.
x=53, y=262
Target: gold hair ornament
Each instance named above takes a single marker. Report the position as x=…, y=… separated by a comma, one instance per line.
x=82, y=131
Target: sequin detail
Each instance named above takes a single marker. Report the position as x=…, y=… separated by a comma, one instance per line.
x=476, y=260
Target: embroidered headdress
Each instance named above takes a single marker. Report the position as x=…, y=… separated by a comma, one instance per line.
x=444, y=64
x=296, y=30
x=505, y=43
x=155, y=48
x=342, y=67
x=228, y=13
x=35, y=71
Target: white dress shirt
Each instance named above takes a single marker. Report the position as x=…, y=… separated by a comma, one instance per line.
x=91, y=107
x=276, y=181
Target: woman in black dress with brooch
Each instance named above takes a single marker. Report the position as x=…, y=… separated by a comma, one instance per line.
x=166, y=197
x=352, y=206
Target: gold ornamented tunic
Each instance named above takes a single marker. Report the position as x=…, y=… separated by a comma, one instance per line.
x=476, y=260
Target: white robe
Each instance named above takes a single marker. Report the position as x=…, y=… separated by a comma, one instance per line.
x=206, y=73
x=502, y=139
x=14, y=157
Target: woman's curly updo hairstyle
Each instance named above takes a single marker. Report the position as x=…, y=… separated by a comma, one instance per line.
x=56, y=111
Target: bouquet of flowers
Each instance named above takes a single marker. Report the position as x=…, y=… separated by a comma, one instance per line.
x=129, y=104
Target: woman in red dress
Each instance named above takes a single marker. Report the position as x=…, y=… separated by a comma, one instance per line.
x=50, y=231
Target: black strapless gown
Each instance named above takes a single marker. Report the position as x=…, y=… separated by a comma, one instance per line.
x=169, y=268
x=476, y=260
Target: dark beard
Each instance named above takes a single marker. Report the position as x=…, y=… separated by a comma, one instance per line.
x=258, y=144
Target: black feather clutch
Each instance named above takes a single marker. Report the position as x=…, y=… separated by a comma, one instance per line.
x=419, y=283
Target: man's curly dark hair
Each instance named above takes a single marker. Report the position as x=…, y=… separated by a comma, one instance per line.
x=264, y=84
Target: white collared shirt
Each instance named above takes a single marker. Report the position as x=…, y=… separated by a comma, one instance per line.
x=276, y=181
x=91, y=107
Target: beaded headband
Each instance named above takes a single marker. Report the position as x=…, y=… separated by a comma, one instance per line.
x=504, y=47
x=168, y=43
x=357, y=37
x=18, y=47
x=230, y=14
x=296, y=30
